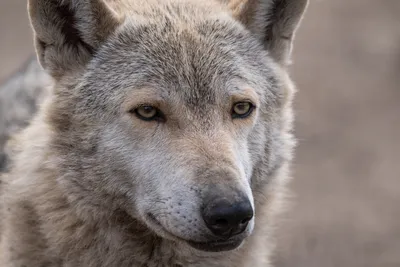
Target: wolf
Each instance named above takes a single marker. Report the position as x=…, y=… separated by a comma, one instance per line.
x=164, y=137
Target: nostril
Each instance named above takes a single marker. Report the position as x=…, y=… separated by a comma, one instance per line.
x=221, y=222
x=246, y=220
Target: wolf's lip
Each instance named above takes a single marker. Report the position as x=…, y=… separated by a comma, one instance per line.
x=211, y=246
x=153, y=219
x=216, y=246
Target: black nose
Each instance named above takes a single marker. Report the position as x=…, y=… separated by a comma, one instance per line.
x=226, y=218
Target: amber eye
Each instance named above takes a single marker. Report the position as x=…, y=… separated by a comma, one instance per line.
x=242, y=109
x=148, y=113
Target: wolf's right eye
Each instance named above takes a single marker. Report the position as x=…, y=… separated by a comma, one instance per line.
x=242, y=109
x=148, y=113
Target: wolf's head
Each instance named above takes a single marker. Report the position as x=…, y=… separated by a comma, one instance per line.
x=175, y=112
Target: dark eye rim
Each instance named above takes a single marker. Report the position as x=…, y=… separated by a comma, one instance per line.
x=159, y=116
x=245, y=115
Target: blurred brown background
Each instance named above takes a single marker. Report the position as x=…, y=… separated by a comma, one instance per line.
x=346, y=203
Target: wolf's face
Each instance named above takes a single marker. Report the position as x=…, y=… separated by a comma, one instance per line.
x=167, y=111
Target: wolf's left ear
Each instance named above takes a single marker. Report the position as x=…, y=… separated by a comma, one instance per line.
x=274, y=22
x=68, y=32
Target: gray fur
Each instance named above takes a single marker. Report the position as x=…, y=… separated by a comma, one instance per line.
x=20, y=97
x=100, y=187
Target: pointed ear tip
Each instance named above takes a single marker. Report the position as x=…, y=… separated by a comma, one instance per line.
x=300, y=5
x=31, y=5
x=305, y=4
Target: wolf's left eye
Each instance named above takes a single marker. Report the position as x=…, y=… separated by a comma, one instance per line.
x=242, y=110
x=148, y=113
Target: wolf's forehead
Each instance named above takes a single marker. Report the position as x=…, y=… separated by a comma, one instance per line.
x=202, y=61
x=195, y=61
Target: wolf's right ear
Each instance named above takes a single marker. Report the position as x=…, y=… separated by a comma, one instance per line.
x=68, y=32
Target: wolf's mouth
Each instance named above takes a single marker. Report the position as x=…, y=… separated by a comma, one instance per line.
x=216, y=246
x=210, y=246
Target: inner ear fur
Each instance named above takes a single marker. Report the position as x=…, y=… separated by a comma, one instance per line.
x=67, y=33
x=273, y=22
